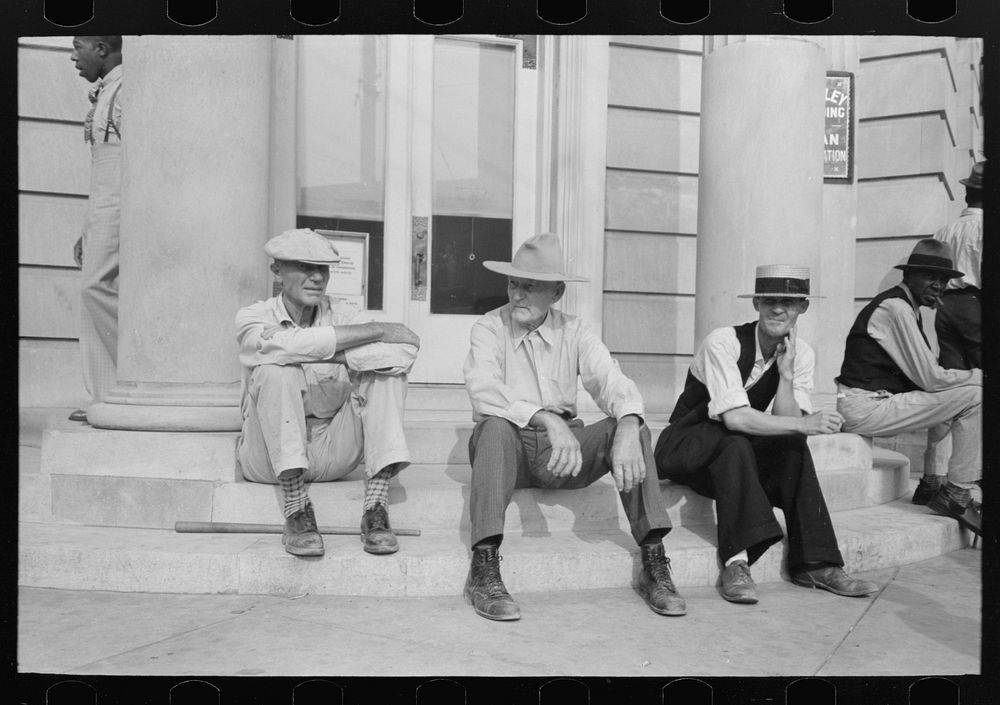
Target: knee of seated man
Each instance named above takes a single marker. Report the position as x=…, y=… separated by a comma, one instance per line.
x=282, y=375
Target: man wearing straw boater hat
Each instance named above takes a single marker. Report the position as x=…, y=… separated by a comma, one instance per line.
x=323, y=388
x=958, y=322
x=890, y=383
x=723, y=444
x=521, y=374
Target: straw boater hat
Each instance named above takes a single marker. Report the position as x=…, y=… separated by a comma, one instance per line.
x=302, y=245
x=782, y=280
x=932, y=255
x=975, y=179
x=540, y=258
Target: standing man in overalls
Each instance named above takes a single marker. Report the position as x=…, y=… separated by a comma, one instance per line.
x=99, y=60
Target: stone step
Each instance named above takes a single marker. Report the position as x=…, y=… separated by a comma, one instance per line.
x=435, y=563
x=429, y=497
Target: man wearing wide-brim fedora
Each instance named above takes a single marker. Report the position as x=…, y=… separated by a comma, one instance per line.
x=958, y=323
x=723, y=443
x=521, y=374
x=890, y=383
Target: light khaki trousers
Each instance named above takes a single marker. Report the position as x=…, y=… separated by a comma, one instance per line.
x=99, y=275
x=956, y=413
x=278, y=436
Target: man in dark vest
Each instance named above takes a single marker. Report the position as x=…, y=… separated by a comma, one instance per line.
x=723, y=443
x=890, y=383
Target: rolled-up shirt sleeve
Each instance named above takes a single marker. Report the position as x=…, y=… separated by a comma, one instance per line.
x=893, y=325
x=614, y=393
x=288, y=345
x=383, y=358
x=484, y=379
x=715, y=365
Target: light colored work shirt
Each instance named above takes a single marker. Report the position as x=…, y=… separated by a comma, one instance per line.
x=104, y=121
x=965, y=236
x=328, y=384
x=513, y=373
x=715, y=366
x=894, y=326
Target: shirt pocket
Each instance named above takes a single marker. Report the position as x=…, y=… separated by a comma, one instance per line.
x=328, y=389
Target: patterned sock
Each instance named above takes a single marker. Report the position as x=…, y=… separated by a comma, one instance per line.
x=295, y=491
x=960, y=493
x=377, y=489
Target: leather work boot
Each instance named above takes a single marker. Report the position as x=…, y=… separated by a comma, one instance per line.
x=655, y=583
x=926, y=489
x=376, y=534
x=835, y=580
x=737, y=584
x=484, y=588
x=301, y=537
x=968, y=512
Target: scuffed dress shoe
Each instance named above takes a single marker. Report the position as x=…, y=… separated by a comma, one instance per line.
x=484, y=589
x=970, y=515
x=835, y=580
x=655, y=583
x=78, y=415
x=737, y=584
x=301, y=536
x=376, y=534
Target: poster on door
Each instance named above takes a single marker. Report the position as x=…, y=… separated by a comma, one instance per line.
x=349, y=276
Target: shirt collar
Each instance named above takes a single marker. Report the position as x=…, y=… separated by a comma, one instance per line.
x=909, y=295
x=283, y=315
x=546, y=331
x=758, y=353
x=114, y=74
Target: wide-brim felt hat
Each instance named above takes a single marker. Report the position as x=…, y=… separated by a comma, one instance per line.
x=539, y=258
x=975, y=179
x=302, y=245
x=781, y=280
x=932, y=255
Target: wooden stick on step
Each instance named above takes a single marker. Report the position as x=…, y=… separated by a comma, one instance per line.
x=223, y=527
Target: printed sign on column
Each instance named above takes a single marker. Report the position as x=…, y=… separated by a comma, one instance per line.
x=838, y=147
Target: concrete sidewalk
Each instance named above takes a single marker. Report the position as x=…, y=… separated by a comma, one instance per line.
x=926, y=619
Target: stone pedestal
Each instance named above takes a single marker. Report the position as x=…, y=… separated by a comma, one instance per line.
x=195, y=214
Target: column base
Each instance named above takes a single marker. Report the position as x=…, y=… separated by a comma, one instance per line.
x=137, y=417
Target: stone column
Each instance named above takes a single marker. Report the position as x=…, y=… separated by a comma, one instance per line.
x=195, y=214
x=577, y=164
x=760, y=185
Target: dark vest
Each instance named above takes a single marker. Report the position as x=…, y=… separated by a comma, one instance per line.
x=866, y=363
x=692, y=406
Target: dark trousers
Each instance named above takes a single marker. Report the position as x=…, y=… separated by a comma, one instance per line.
x=505, y=457
x=958, y=324
x=747, y=476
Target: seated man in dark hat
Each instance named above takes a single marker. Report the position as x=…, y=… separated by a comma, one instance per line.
x=722, y=443
x=521, y=374
x=890, y=383
x=322, y=389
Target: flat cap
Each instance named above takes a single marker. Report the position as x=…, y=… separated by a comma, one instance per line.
x=302, y=245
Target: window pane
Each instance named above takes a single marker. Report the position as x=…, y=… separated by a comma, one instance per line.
x=340, y=141
x=473, y=167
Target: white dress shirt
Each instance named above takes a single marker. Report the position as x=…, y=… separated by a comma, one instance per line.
x=965, y=236
x=715, y=366
x=513, y=373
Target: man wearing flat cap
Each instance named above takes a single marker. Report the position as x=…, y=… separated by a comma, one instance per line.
x=723, y=443
x=958, y=320
x=521, y=374
x=890, y=383
x=322, y=389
